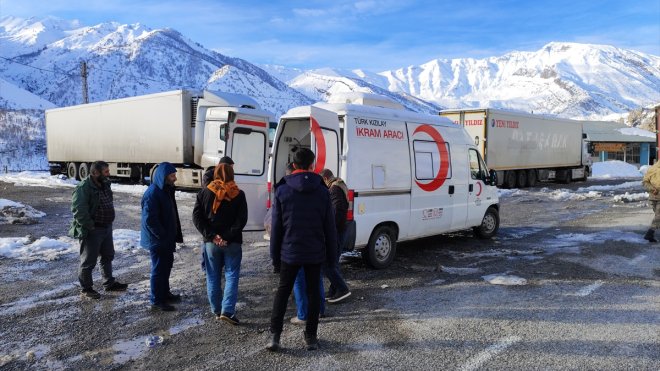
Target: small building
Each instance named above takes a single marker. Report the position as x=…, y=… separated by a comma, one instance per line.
x=616, y=141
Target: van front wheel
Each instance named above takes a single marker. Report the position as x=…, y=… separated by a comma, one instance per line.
x=381, y=249
x=489, y=224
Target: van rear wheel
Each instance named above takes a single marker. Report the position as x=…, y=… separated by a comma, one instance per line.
x=489, y=224
x=381, y=249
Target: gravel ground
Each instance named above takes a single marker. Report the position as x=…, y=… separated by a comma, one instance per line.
x=591, y=298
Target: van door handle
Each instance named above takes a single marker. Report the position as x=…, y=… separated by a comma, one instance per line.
x=451, y=189
x=471, y=187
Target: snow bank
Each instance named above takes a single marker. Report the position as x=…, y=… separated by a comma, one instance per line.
x=16, y=213
x=615, y=169
x=26, y=248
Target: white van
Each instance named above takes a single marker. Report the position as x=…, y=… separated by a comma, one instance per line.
x=410, y=175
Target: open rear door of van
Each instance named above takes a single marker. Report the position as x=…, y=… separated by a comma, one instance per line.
x=247, y=145
x=324, y=128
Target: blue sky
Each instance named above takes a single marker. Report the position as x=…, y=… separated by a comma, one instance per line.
x=369, y=34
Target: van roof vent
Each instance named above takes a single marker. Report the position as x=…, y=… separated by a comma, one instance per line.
x=365, y=99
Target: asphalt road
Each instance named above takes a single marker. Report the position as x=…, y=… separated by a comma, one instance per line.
x=590, y=297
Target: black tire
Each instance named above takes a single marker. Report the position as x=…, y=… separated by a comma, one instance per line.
x=490, y=224
x=381, y=249
x=136, y=173
x=151, y=173
x=509, y=179
x=563, y=176
x=72, y=170
x=83, y=170
x=521, y=178
x=532, y=179
x=349, y=240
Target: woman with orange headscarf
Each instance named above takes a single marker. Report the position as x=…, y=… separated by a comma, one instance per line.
x=220, y=214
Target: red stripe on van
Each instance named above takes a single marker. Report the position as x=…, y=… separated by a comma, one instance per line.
x=440, y=178
x=251, y=123
x=320, y=145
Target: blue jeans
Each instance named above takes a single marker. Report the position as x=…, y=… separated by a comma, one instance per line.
x=215, y=259
x=162, y=260
x=300, y=294
x=331, y=269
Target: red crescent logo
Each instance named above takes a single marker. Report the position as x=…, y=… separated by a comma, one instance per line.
x=320, y=145
x=480, y=189
x=440, y=178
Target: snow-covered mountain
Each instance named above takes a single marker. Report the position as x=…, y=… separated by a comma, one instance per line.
x=40, y=68
x=564, y=79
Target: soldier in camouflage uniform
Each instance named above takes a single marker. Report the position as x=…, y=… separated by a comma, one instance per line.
x=651, y=182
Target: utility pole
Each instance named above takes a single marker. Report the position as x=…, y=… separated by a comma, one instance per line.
x=83, y=74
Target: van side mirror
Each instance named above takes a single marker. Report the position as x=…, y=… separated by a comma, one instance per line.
x=493, y=177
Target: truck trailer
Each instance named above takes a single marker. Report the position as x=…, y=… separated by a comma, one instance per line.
x=192, y=130
x=525, y=148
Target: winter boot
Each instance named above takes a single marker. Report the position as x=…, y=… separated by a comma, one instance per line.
x=311, y=341
x=650, y=235
x=274, y=344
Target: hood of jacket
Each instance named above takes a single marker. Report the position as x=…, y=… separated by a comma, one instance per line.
x=305, y=181
x=162, y=171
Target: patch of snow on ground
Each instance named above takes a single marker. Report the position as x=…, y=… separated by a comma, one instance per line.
x=504, y=279
x=12, y=212
x=25, y=248
x=566, y=195
x=44, y=248
x=631, y=197
x=614, y=169
x=611, y=187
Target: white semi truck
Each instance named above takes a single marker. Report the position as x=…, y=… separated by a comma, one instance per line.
x=526, y=148
x=192, y=130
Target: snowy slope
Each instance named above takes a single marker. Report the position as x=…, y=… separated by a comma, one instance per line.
x=13, y=97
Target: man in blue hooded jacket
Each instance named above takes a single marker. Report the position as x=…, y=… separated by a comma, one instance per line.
x=302, y=235
x=161, y=230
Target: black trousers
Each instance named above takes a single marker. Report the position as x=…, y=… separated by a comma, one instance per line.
x=288, y=274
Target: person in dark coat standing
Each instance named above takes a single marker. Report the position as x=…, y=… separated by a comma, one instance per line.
x=220, y=214
x=303, y=235
x=93, y=213
x=338, y=290
x=161, y=230
x=209, y=174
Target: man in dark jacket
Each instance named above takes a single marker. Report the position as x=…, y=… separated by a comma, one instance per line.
x=161, y=230
x=303, y=235
x=93, y=214
x=338, y=290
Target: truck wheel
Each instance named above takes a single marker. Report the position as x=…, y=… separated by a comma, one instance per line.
x=563, y=176
x=509, y=179
x=72, y=170
x=83, y=171
x=531, y=178
x=381, y=249
x=489, y=224
x=521, y=178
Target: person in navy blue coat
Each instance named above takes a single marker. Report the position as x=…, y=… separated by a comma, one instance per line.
x=303, y=235
x=160, y=231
